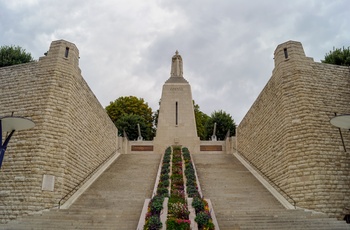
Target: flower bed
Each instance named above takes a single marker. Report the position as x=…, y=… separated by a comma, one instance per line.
x=155, y=206
x=178, y=214
x=203, y=217
x=172, y=175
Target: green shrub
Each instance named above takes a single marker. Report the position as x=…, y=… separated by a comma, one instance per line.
x=164, y=177
x=190, y=173
x=198, y=204
x=189, y=165
x=185, y=150
x=156, y=204
x=162, y=191
x=177, y=181
x=164, y=184
x=173, y=199
x=190, y=182
x=165, y=171
x=202, y=219
x=192, y=191
x=153, y=223
x=190, y=176
x=177, y=224
x=166, y=159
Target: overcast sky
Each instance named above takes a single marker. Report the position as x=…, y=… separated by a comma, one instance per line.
x=227, y=46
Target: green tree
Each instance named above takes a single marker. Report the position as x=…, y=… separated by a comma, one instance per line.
x=201, y=119
x=128, y=123
x=131, y=105
x=338, y=57
x=13, y=55
x=224, y=123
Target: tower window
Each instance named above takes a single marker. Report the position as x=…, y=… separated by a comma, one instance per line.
x=176, y=113
x=285, y=53
x=67, y=52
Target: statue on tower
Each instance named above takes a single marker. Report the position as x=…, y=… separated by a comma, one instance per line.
x=176, y=66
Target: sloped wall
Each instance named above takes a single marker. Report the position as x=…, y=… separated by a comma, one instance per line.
x=72, y=135
x=286, y=133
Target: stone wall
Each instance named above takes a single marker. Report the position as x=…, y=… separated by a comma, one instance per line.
x=287, y=135
x=72, y=136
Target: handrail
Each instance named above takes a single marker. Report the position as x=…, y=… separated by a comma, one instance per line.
x=270, y=181
x=84, y=180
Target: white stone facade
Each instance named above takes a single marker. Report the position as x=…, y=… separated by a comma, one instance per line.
x=72, y=136
x=176, y=121
x=287, y=135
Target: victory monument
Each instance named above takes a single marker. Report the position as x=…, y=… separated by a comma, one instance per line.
x=176, y=121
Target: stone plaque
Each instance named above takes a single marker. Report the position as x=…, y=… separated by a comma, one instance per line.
x=48, y=183
x=142, y=148
x=210, y=148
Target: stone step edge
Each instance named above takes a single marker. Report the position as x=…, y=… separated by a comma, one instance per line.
x=212, y=213
x=89, y=182
x=143, y=214
x=158, y=176
x=142, y=218
x=266, y=184
x=211, y=209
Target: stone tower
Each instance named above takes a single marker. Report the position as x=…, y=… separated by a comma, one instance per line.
x=176, y=120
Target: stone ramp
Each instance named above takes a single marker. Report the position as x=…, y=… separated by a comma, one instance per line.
x=113, y=201
x=240, y=201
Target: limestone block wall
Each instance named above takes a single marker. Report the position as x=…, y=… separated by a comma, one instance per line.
x=287, y=135
x=72, y=135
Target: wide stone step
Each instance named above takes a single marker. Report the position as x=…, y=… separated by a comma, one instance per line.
x=240, y=201
x=113, y=201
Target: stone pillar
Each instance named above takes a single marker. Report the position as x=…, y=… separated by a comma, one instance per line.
x=176, y=120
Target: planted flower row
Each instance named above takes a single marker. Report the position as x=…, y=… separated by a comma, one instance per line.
x=178, y=213
x=203, y=217
x=155, y=206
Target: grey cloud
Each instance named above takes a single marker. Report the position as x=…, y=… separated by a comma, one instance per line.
x=227, y=46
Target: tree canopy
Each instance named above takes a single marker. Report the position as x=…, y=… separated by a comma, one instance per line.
x=128, y=123
x=127, y=112
x=121, y=110
x=338, y=57
x=13, y=55
x=201, y=119
x=224, y=123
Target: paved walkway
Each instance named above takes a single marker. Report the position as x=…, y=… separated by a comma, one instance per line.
x=114, y=201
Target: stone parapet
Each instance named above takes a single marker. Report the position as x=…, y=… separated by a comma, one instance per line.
x=72, y=136
x=286, y=134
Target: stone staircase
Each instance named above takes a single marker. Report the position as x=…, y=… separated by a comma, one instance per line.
x=241, y=202
x=113, y=201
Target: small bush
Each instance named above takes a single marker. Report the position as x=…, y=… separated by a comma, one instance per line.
x=190, y=182
x=164, y=184
x=191, y=177
x=178, y=224
x=198, y=204
x=156, y=204
x=165, y=171
x=153, y=223
x=192, y=191
x=162, y=191
x=164, y=177
x=166, y=160
x=202, y=219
